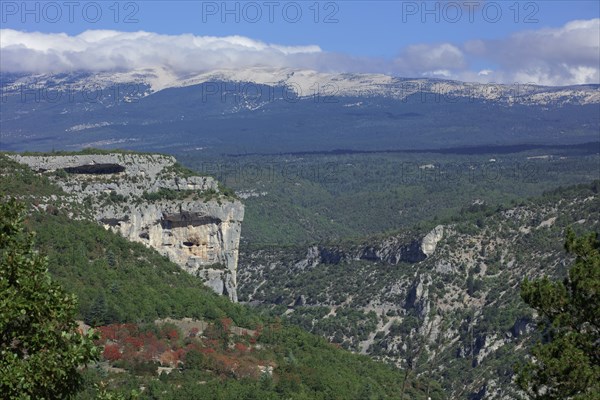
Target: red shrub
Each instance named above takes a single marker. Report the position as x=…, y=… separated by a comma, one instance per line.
x=172, y=334
x=241, y=347
x=180, y=353
x=107, y=332
x=135, y=342
x=111, y=352
x=226, y=323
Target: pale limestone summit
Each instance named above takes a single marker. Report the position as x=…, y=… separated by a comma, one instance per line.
x=129, y=194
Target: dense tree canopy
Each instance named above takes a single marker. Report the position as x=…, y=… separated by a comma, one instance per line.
x=41, y=348
x=566, y=364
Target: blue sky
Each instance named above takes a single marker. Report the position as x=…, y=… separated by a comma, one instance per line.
x=384, y=36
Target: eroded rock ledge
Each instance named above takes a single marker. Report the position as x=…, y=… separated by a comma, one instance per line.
x=393, y=250
x=149, y=199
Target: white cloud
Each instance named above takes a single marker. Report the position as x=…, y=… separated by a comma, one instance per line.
x=101, y=50
x=552, y=56
x=426, y=59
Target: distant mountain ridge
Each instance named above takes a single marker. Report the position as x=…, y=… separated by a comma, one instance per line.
x=263, y=110
x=309, y=83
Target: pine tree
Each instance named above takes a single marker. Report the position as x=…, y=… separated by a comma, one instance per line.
x=566, y=364
x=41, y=348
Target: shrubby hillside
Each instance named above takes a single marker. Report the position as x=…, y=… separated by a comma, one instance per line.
x=230, y=351
x=439, y=300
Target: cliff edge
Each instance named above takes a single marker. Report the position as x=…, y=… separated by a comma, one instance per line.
x=149, y=198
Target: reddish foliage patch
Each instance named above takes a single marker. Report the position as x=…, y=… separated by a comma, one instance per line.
x=111, y=352
x=241, y=347
x=169, y=358
x=226, y=323
x=127, y=343
x=134, y=342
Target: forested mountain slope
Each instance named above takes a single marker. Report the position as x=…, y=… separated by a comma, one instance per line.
x=124, y=287
x=441, y=299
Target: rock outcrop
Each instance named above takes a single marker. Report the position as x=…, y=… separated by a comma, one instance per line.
x=150, y=199
x=430, y=241
x=393, y=250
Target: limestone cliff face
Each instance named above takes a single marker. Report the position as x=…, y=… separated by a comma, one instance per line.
x=393, y=250
x=149, y=199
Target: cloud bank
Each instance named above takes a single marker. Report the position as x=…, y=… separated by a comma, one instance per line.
x=565, y=55
x=103, y=50
x=559, y=56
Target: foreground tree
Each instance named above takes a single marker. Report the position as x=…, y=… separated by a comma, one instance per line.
x=41, y=349
x=566, y=364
